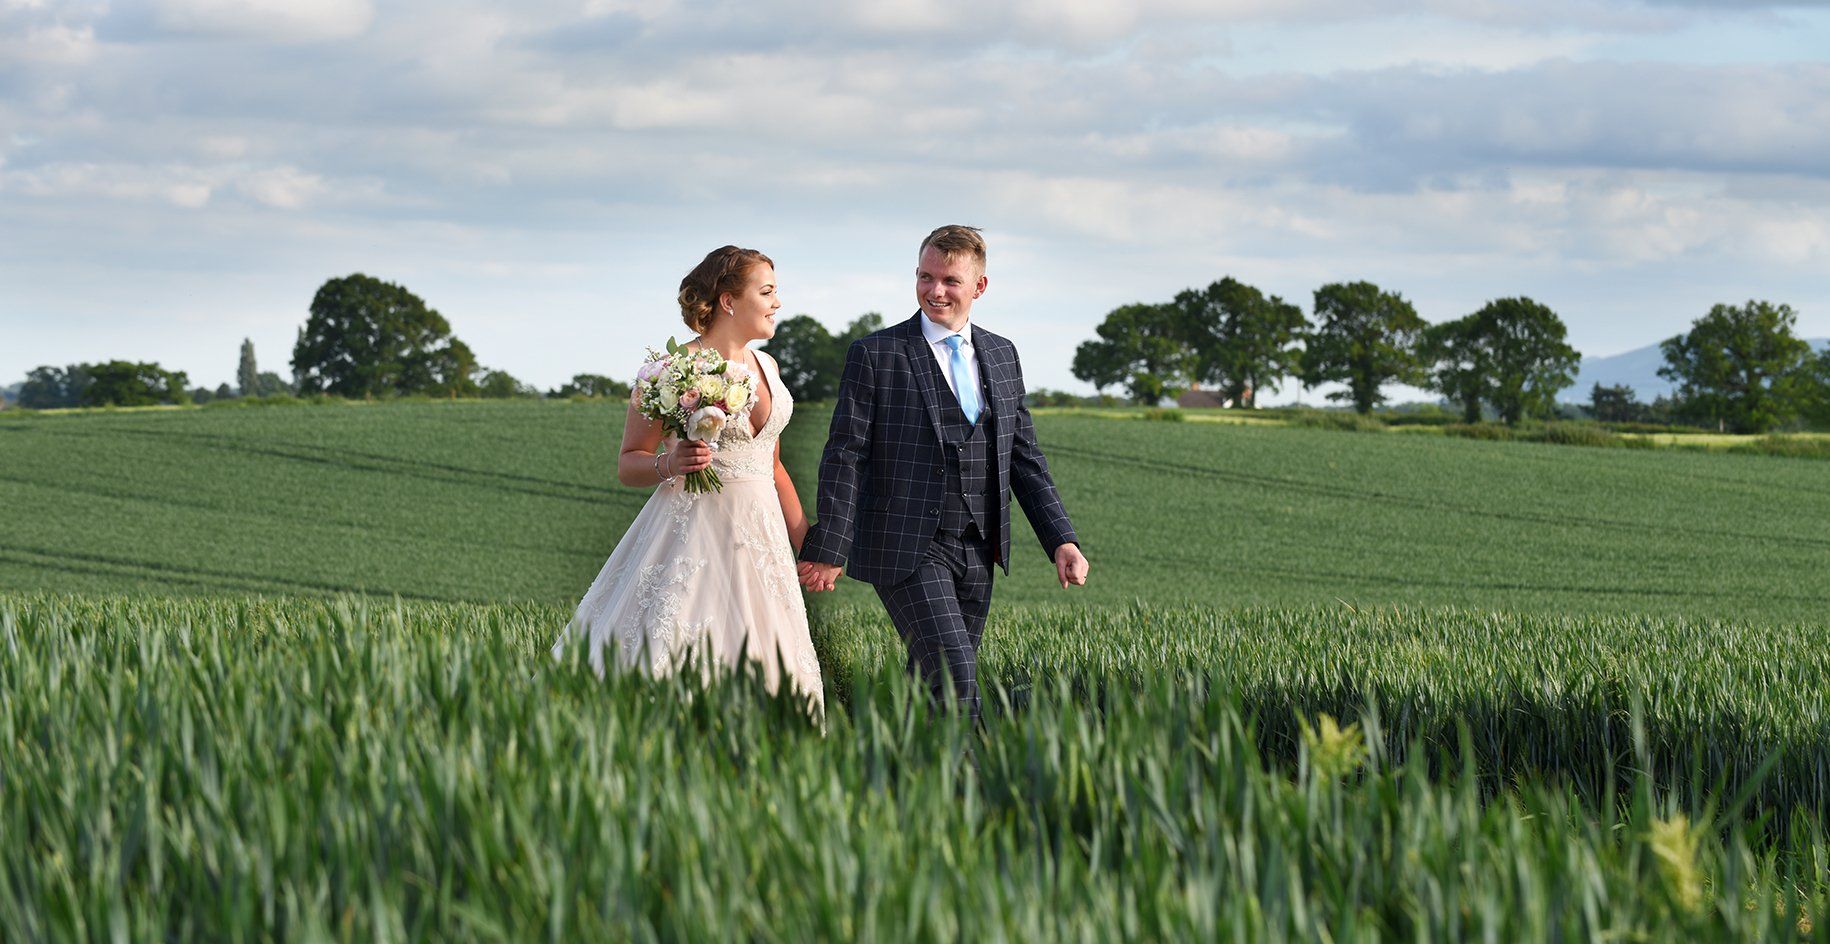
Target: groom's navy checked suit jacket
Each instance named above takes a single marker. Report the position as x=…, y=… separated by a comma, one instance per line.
x=884, y=469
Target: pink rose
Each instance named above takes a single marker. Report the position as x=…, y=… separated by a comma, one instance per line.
x=689, y=401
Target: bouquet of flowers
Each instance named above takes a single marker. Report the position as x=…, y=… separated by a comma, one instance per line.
x=692, y=394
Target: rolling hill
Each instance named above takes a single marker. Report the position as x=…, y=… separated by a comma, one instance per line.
x=1637, y=368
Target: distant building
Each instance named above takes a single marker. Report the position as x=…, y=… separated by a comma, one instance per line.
x=1195, y=397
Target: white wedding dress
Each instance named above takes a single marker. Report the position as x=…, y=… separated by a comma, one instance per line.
x=707, y=578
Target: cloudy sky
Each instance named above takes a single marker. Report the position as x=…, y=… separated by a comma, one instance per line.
x=176, y=175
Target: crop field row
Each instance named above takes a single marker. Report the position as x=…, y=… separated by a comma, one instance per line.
x=224, y=768
x=517, y=501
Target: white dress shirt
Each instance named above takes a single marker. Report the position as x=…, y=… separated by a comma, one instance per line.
x=937, y=342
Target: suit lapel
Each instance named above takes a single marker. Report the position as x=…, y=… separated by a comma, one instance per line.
x=994, y=369
x=926, y=371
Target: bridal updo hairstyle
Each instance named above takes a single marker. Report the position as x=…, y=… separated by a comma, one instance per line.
x=724, y=270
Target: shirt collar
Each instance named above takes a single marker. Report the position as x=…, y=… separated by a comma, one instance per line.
x=935, y=334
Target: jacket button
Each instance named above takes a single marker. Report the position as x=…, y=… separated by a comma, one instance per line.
x=940, y=473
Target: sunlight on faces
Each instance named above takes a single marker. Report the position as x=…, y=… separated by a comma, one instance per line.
x=752, y=312
x=946, y=287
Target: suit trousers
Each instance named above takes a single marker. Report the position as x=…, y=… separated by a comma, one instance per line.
x=939, y=611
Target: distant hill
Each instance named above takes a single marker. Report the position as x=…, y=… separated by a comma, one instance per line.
x=9, y=394
x=1637, y=368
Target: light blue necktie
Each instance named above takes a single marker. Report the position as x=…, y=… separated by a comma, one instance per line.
x=963, y=387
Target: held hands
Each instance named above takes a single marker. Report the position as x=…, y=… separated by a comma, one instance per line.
x=685, y=457
x=1070, y=566
x=817, y=577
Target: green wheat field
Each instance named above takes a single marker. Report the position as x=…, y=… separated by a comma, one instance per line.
x=284, y=673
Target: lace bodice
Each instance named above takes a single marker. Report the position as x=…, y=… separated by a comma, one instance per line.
x=740, y=455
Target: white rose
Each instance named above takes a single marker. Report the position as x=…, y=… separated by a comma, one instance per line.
x=736, y=395
x=710, y=387
x=668, y=398
x=705, y=423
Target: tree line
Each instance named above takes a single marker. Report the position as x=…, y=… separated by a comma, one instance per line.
x=364, y=338
x=1738, y=367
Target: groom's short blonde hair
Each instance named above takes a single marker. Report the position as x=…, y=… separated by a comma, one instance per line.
x=954, y=241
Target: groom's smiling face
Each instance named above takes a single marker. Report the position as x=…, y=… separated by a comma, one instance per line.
x=946, y=287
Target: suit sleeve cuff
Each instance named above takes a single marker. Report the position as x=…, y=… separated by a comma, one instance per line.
x=817, y=548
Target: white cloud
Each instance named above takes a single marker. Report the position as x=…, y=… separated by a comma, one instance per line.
x=285, y=188
x=1115, y=152
x=223, y=146
x=57, y=44
x=189, y=195
x=266, y=20
x=1796, y=239
x=658, y=105
x=644, y=9
x=184, y=185
x=178, y=186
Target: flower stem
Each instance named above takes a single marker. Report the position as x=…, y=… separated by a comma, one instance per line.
x=704, y=480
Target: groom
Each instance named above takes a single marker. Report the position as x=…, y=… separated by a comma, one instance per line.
x=929, y=439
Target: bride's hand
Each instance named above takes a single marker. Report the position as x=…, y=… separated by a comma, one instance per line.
x=687, y=456
x=819, y=577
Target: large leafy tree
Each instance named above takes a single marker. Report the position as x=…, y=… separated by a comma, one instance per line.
x=1243, y=340
x=269, y=384
x=802, y=348
x=128, y=383
x=812, y=358
x=1531, y=358
x=1616, y=404
x=868, y=323
x=1741, y=367
x=1458, y=363
x=592, y=385
x=1103, y=363
x=366, y=337
x=1817, y=392
x=1142, y=347
x=251, y=381
x=51, y=388
x=502, y=385
x=247, y=372
x=1511, y=355
x=1364, y=338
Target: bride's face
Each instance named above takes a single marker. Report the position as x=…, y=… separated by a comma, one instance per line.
x=752, y=311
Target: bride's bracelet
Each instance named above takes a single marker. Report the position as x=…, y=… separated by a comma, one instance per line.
x=664, y=479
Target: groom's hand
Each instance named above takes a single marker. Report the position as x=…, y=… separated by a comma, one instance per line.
x=817, y=577
x=1070, y=566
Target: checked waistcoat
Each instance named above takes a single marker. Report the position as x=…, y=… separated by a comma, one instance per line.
x=967, y=494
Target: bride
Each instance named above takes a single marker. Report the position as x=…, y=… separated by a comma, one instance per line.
x=710, y=577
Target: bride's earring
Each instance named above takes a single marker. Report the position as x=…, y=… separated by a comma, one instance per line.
x=731, y=311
